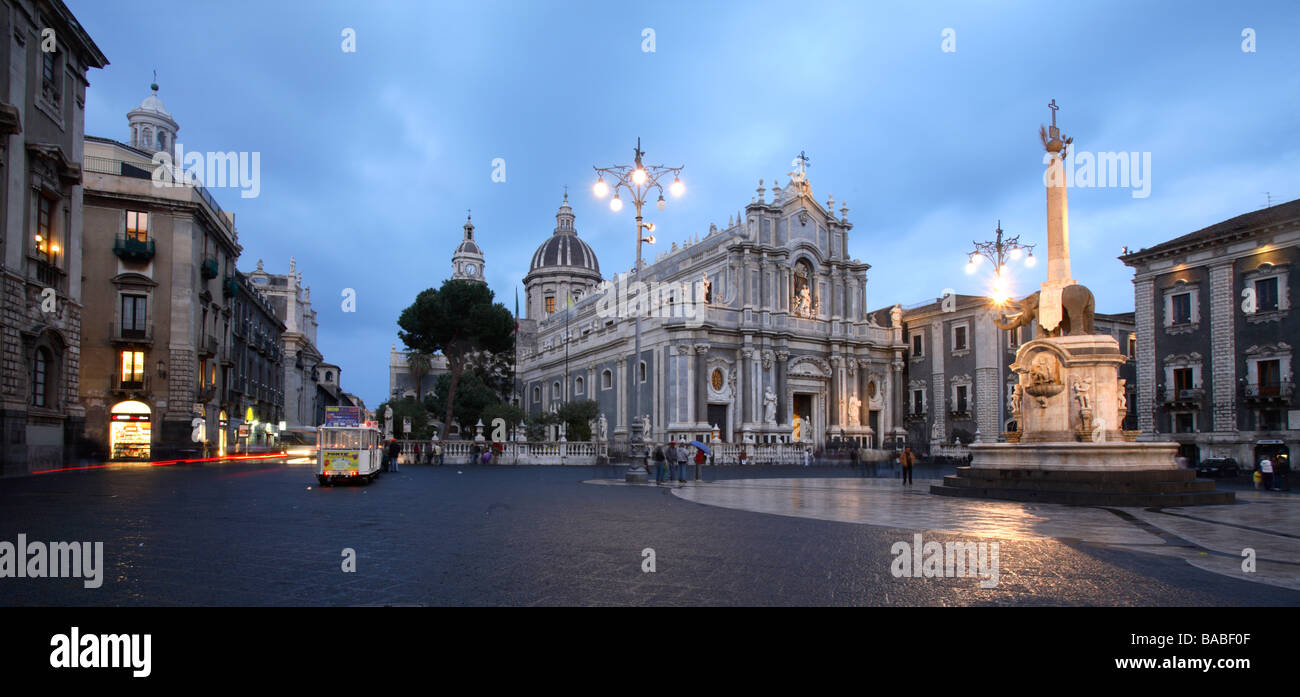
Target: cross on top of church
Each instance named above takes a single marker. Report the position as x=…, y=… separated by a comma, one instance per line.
x=801, y=164
x=1054, y=108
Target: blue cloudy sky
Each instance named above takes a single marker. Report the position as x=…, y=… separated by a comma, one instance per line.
x=370, y=159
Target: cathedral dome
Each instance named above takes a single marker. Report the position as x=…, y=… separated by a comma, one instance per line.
x=467, y=246
x=154, y=104
x=564, y=249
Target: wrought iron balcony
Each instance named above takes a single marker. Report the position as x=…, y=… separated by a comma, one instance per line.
x=129, y=385
x=209, y=268
x=1282, y=391
x=1183, y=395
x=133, y=248
x=230, y=287
x=119, y=333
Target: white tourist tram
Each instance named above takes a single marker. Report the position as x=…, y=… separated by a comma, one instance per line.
x=349, y=449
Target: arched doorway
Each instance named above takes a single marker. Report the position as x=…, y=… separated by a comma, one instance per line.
x=130, y=431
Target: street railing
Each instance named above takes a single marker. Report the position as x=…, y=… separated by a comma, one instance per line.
x=459, y=452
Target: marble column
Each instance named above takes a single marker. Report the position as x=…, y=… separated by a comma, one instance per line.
x=782, y=361
x=687, y=365
x=746, y=356
x=833, y=409
x=702, y=378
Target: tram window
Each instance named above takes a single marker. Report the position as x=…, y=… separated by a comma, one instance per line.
x=342, y=439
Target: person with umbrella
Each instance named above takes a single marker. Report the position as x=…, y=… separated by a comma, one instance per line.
x=701, y=451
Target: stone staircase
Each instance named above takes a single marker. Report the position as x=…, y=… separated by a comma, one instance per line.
x=1143, y=488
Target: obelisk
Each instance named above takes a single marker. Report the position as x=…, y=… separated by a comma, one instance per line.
x=1058, y=226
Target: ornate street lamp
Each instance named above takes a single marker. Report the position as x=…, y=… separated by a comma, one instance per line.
x=999, y=252
x=637, y=180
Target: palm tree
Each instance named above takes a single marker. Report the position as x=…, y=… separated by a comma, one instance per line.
x=419, y=364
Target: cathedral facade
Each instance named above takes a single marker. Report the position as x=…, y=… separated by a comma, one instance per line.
x=758, y=332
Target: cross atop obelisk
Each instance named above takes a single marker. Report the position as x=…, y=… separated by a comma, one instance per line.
x=1058, y=223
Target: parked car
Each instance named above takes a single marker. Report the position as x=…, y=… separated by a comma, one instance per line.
x=1218, y=467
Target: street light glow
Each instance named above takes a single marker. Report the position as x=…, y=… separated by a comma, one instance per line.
x=677, y=187
x=638, y=176
x=616, y=204
x=1015, y=254
x=601, y=189
x=1030, y=260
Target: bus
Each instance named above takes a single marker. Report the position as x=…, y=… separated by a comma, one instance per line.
x=348, y=453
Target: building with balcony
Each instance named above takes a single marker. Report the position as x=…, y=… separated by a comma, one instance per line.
x=958, y=380
x=1216, y=336
x=156, y=360
x=42, y=120
x=255, y=380
x=758, y=330
x=291, y=302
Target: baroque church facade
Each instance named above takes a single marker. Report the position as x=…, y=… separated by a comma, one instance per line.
x=758, y=332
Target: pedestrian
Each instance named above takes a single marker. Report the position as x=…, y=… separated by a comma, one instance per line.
x=1266, y=469
x=682, y=457
x=699, y=460
x=415, y=454
x=1282, y=467
x=807, y=456
x=853, y=453
x=473, y=454
x=660, y=464
x=907, y=459
x=741, y=457
x=394, y=451
x=437, y=453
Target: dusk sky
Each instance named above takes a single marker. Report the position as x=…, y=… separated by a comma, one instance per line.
x=370, y=159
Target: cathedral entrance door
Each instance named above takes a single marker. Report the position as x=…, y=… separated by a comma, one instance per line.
x=803, y=409
x=718, y=417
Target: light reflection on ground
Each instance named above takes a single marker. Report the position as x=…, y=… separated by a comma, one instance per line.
x=1209, y=537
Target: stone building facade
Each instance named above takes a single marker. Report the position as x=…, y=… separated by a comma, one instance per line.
x=42, y=121
x=160, y=272
x=255, y=382
x=757, y=329
x=291, y=301
x=958, y=381
x=1216, y=336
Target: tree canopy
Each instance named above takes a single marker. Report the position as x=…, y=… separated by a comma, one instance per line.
x=460, y=320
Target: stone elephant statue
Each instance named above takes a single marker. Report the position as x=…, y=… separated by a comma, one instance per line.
x=1077, y=309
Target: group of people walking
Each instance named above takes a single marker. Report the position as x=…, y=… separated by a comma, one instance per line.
x=1271, y=474
x=671, y=460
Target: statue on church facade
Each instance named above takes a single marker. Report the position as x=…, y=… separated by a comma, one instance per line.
x=855, y=411
x=769, y=407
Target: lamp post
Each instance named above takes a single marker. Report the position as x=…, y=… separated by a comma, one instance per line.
x=999, y=252
x=637, y=180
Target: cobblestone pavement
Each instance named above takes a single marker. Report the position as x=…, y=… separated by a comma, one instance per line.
x=266, y=534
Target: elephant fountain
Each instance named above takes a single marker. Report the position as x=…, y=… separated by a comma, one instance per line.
x=1077, y=309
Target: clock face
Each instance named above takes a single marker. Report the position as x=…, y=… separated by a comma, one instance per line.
x=471, y=269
